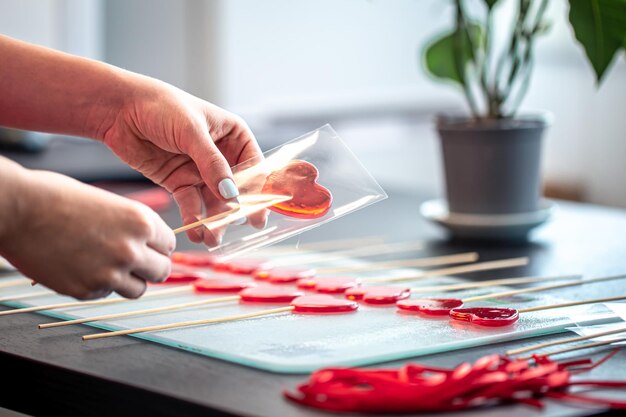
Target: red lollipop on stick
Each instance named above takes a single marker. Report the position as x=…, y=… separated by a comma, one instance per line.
x=443, y=306
x=251, y=294
x=497, y=316
x=298, y=179
x=308, y=304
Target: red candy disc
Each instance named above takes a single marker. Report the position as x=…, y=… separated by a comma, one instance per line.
x=285, y=275
x=430, y=306
x=269, y=294
x=378, y=295
x=336, y=285
x=323, y=304
x=183, y=278
x=486, y=316
x=242, y=266
x=222, y=284
x=299, y=180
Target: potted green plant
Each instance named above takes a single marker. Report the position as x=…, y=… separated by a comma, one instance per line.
x=492, y=157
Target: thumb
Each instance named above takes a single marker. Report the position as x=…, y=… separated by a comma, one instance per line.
x=212, y=165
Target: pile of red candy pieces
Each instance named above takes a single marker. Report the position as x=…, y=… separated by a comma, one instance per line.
x=415, y=388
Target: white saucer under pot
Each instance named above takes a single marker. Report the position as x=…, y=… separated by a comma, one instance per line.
x=509, y=227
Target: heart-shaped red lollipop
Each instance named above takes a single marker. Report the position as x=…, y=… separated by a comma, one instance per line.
x=269, y=294
x=430, y=306
x=378, y=295
x=486, y=316
x=222, y=284
x=323, y=304
x=298, y=179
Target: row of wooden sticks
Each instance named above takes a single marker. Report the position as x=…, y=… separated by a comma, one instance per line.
x=467, y=268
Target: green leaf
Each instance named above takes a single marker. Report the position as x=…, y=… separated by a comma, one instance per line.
x=600, y=26
x=440, y=54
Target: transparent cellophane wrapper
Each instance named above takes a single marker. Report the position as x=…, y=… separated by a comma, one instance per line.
x=351, y=185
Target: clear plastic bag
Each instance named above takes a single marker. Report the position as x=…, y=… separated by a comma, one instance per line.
x=343, y=182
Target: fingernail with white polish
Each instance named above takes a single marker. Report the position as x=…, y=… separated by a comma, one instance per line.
x=228, y=189
x=240, y=221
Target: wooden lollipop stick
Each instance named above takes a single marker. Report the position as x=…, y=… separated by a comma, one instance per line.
x=362, y=251
x=579, y=347
x=211, y=219
x=246, y=205
x=542, y=288
x=189, y=323
x=481, y=266
x=140, y=312
x=492, y=282
x=573, y=303
x=17, y=282
x=564, y=341
x=18, y=297
x=105, y=301
x=403, y=263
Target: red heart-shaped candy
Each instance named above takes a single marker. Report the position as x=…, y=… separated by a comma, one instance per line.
x=269, y=294
x=430, y=306
x=298, y=179
x=222, y=283
x=486, y=316
x=323, y=304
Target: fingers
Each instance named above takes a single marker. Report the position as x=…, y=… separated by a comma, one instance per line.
x=163, y=239
x=153, y=266
x=130, y=287
x=189, y=202
x=213, y=167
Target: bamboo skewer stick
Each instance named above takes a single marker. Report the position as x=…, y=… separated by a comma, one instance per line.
x=543, y=288
x=105, y=301
x=18, y=297
x=140, y=312
x=564, y=341
x=189, y=323
x=431, y=261
x=573, y=304
x=489, y=283
x=580, y=347
x=16, y=282
x=246, y=205
x=481, y=266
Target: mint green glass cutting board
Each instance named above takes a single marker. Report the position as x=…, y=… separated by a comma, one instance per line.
x=298, y=343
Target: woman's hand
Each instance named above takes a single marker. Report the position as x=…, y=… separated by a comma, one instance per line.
x=82, y=241
x=178, y=140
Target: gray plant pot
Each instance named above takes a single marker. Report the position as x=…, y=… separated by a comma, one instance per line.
x=492, y=167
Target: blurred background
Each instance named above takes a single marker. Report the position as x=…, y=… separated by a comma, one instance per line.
x=289, y=66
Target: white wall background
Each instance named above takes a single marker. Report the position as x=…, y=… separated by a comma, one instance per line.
x=324, y=59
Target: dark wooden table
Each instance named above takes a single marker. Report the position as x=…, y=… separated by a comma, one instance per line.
x=53, y=373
